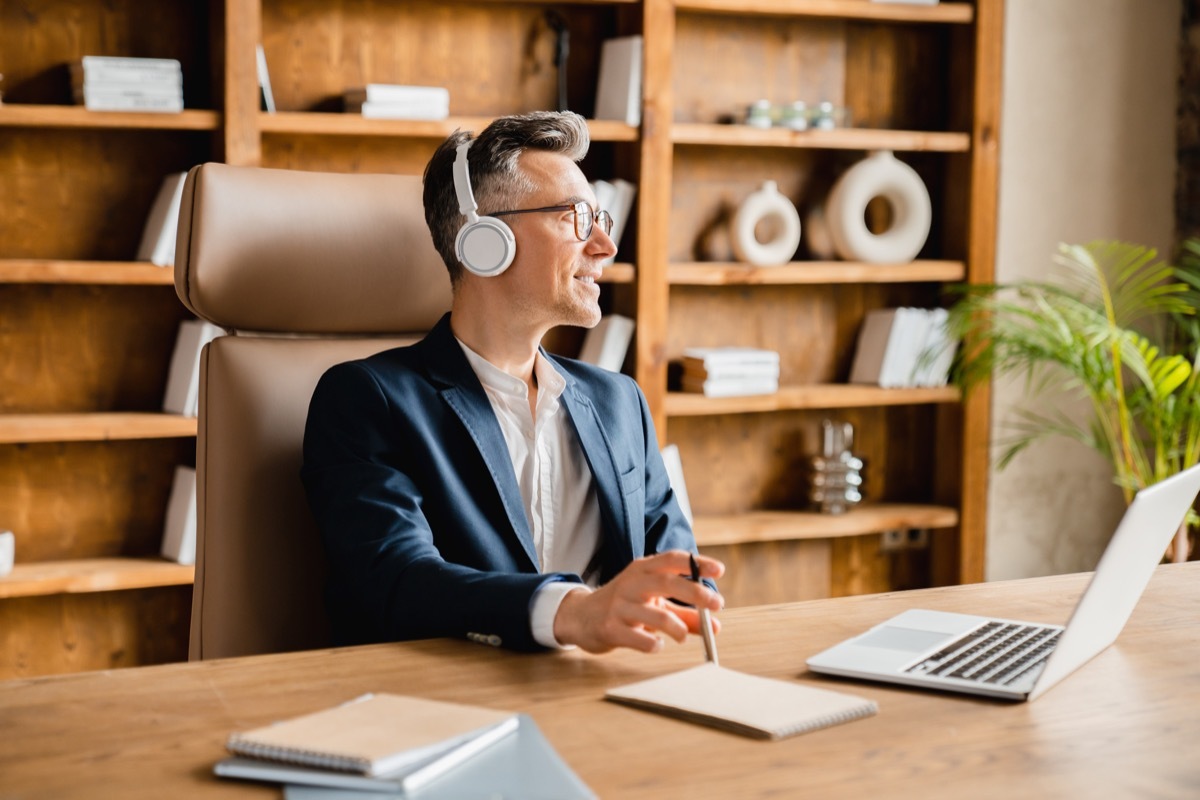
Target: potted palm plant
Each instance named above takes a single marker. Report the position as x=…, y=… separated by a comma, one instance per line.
x=1115, y=325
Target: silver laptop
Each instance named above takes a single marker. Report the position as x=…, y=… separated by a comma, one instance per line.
x=1021, y=660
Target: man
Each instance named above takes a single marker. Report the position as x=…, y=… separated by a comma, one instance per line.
x=473, y=485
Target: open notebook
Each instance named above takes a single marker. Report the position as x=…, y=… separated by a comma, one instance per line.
x=763, y=708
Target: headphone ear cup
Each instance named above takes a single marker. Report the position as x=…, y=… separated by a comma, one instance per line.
x=485, y=247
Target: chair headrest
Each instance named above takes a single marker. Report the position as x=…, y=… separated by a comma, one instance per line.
x=274, y=250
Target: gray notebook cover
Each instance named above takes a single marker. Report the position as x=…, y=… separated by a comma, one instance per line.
x=525, y=767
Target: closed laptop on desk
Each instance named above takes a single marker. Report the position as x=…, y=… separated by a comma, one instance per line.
x=1021, y=660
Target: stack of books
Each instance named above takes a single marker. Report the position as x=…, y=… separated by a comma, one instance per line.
x=730, y=371
x=105, y=83
x=391, y=101
x=903, y=348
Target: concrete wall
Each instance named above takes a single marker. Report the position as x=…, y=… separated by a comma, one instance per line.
x=1087, y=152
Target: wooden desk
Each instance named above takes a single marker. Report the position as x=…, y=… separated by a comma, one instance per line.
x=1126, y=725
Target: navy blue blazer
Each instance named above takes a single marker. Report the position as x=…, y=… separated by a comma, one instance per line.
x=409, y=478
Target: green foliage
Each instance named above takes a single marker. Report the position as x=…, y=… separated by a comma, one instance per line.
x=1114, y=325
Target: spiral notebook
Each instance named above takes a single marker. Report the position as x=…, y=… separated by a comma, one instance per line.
x=372, y=735
x=762, y=708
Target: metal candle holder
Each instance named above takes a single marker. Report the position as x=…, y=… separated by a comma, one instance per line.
x=836, y=475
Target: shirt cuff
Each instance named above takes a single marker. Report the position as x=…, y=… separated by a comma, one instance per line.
x=544, y=609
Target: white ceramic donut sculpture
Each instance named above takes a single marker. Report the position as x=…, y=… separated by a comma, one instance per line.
x=881, y=174
x=765, y=204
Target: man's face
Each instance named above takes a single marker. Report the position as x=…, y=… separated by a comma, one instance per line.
x=552, y=280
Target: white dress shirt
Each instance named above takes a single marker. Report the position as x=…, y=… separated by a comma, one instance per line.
x=556, y=483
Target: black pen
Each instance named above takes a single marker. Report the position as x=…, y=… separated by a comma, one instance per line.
x=706, y=628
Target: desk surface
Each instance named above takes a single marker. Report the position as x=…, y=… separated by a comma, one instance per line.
x=1125, y=725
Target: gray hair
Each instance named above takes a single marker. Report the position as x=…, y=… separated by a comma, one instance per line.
x=496, y=179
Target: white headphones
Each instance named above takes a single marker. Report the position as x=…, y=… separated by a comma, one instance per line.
x=484, y=245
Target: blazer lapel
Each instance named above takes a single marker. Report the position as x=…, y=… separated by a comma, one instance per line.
x=621, y=544
x=464, y=395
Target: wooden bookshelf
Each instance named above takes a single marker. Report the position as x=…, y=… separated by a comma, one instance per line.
x=775, y=526
x=86, y=575
x=90, y=333
x=117, y=273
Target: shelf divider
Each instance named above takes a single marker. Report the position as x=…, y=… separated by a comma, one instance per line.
x=700, y=133
x=337, y=124
x=946, y=12
x=812, y=272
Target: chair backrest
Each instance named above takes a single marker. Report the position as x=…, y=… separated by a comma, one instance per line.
x=303, y=270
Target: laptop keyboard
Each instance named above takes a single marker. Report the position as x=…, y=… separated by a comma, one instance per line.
x=998, y=653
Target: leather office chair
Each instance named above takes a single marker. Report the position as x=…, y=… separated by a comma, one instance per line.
x=304, y=270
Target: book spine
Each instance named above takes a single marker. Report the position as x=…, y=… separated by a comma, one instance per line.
x=308, y=758
x=102, y=75
x=162, y=64
x=158, y=104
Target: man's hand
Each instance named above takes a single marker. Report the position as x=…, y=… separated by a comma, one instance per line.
x=635, y=608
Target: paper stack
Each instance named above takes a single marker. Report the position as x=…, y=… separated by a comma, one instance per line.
x=730, y=371
x=903, y=348
x=104, y=83
x=391, y=101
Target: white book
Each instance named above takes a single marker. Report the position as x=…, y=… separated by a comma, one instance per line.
x=937, y=355
x=713, y=357
x=619, y=87
x=395, y=93
x=674, y=466
x=147, y=104
x=183, y=381
x=88, y=63
x=696, y=371
x=393, y=111
x=606, y=196
x=874, y=340
x=900, y=362
x=264, y=80
x=620, y=209
x=125, y=91
x=606, y=344
x=100, y=76
x=179, y=527
x=162, y=223
x=732, y=387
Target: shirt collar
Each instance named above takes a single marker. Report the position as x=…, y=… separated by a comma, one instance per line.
x=550, y=383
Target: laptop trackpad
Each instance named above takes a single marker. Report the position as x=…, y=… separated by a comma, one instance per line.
x=906, y=639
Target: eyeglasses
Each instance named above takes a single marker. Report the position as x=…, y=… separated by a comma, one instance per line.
x=584, y=217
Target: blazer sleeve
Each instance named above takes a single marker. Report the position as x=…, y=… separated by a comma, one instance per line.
x=387, y=578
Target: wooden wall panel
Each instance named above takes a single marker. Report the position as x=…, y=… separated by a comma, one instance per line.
x=75, y=632
x=86, y=348
x=494, y=58
x=725, y=63
x=747, y=462
x=67, y=500
x=897, y=76
x=38, y=39
x=815, y=328
x=72, y=194
x=774, y=572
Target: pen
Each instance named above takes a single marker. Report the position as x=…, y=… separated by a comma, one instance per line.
x=706, y=629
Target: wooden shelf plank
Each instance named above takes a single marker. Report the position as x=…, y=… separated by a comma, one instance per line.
x=16, y=270
x=35, y=116
x=773, y=526
x=837, y=139
x=812, y=272
x=617, y=273
x=93, y=575
x=816, y=396
x=959, y=13
x=26, y=428
x=334, y=124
